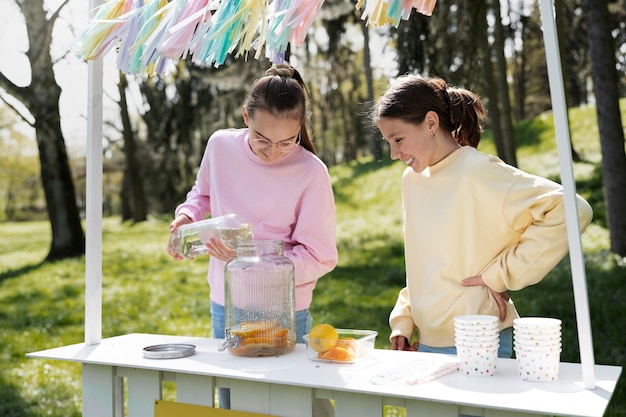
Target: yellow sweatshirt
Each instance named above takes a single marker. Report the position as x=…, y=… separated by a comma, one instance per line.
x=473, y=214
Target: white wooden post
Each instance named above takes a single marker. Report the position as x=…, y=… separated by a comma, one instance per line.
x=561, y=126
x=93, y=237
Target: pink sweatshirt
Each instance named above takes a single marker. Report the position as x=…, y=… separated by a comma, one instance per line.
x=290, y=200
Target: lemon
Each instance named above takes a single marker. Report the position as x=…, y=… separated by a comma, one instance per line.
x=323, y=337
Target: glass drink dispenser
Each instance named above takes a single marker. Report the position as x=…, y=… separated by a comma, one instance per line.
x=259, y=302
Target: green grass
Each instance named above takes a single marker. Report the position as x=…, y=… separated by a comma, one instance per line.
x=41, y=304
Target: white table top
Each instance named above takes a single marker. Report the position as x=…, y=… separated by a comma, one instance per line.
x=504, y=390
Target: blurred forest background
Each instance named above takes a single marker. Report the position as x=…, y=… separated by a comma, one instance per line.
x=156, y=137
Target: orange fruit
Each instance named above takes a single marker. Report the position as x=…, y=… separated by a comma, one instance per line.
x=280, y=333
x=262, y=333
x=338, y=353
x=323, y=337
x=347, y=341
x=248, y=329
x=257, y=342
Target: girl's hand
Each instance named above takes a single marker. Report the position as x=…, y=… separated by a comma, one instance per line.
x=219, y=250
x=402, y=343
x=502, y=298
x=179, y=221
x=175, y=224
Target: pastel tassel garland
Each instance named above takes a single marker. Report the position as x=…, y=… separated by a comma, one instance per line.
x=221, y=36
x=150, y=35
x=150, y=18
x=389, y=12
x=98, y=38
x=302, y=20
x=128, y=34
x=181, y=31
x=278, y=30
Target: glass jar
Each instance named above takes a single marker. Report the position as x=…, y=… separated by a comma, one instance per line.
x=260, y=301
x=189, y=240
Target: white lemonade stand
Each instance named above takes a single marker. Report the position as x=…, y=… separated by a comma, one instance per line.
x=117, y=379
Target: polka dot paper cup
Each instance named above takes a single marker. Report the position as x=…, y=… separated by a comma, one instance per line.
x=477, y=361
x=476, y=330
x=537, y=345
x=520, y=341
x=556, y=347
x=536, y=366
x=538, y=325
x=477, y=339
x=547, y=337
x=476, y=320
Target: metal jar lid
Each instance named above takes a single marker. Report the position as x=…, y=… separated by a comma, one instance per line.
x=169, y=351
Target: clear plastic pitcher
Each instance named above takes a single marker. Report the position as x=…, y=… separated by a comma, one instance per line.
x=189, y=240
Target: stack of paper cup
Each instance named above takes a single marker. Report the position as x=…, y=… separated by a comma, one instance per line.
x=537, y=343
x=477, y=341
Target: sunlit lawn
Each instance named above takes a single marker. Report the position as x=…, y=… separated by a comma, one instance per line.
x=42, y=305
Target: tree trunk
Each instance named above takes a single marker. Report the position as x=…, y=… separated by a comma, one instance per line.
x=376, y=148
x=68, y=239
x=605, y=85
x=508, y=134
x=132, y=174
x=519, y=83
x=519, y=66
x=125, y=209
x=560, y=30
x=41, y=98
x=493, y=109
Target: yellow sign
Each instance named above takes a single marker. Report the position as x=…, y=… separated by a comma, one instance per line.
x=175, y=409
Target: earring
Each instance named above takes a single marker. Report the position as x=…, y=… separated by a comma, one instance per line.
x=432, y=133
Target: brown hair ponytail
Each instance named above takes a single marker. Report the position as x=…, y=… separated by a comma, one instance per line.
x=466, y=112
x=410, y=97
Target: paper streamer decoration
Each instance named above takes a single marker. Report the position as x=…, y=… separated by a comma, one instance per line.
x=151, y=35
x=389, y=12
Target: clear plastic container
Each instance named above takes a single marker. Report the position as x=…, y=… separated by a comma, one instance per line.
x=189, y=240
x=259, y=303
x=350, y=347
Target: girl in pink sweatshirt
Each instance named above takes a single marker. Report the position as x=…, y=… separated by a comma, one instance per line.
x=269, y=174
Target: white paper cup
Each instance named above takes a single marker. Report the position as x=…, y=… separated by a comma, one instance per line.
x=536, y=336
x=536, y=330
x=477, y=361
x=536, y=342
x=537, y=323
x=477, y=336
x=481, y=339
x=537, y=348
x=486, y=345
x=476, y=329
x=476, y=320
x=538, y=366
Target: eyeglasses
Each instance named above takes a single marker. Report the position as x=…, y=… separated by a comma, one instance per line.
x=284, y=145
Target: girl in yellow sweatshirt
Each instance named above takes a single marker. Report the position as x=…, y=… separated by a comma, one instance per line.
x=474, y=227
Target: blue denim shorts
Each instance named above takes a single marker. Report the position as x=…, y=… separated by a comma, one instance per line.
x=303, y=322
x=504, y=351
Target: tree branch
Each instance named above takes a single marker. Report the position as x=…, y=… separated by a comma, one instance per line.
x=12, y=89
x=55, y=15
x=18, y=112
